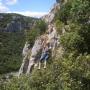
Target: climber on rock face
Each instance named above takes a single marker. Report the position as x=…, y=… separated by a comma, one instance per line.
x=44, y=56
x=52, y=38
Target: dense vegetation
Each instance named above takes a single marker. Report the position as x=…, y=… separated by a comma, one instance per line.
x=11, y=45
x=76, y=15
x=66, y=73
x=72, y=70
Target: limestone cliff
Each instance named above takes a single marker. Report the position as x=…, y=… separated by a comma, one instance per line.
x=33, y=55
x=50, y=16
x=15, y=23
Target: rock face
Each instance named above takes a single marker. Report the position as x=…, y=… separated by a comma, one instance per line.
x=25, y=49
x=34, y=56
x=14, y=27
x=25, y=59
x=49, y=17
x=28, y=59
x=15, y=22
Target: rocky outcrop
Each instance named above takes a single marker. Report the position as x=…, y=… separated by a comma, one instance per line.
x=33, y=57
x=51, y=37
x=25, y=54
x=14, y=27
x=50, y=16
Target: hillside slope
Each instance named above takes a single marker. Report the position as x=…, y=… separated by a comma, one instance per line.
x=70, y=70
x=14, y=31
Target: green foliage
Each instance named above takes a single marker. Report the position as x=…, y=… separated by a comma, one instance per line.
x=80, y=11
x=11, y=45
x=85, y=33
x=59, y=26
x=41, y=25
x=75, y=14
x=74, y=10
x=73, y=41
x=68, y=73
x=31, y=36
x=5, y=20
x=64, y=13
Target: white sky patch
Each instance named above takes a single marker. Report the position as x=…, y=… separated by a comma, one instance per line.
x=3, y=8
x=32, y=14
x=11, y=2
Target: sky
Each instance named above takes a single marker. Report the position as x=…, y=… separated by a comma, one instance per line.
x=33, y=8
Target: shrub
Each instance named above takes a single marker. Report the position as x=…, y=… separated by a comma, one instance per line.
x=72, y=41
x=68, y=73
